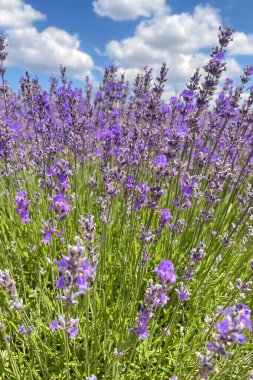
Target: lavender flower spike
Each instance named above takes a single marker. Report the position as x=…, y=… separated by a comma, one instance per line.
x=165, y=272
x=22, y=209
x=75, y=273
x=156, y=295
x=228, y=331
x=10, y=286
x=61, y=324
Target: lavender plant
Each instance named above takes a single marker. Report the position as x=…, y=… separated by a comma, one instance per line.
x=157, y=195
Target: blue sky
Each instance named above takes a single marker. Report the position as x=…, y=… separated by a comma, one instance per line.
x=88, y=35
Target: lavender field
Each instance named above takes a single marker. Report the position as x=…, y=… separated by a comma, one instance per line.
x=126, y=227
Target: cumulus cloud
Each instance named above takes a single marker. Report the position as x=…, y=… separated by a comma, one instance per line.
x=129, y=9
x=176, y=39
x=16, y=14
x=242, y=44
x=163, y=36
x=44, y=51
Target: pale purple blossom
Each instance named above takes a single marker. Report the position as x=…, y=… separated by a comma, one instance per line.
x=165, y=272
x=70, y=326
x=22, y=206
x=76, y=272
x=10, y=287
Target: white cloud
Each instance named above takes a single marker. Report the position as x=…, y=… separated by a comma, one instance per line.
x=43, y=51
x=16, y=14
x=242, y=44
x=181, y=32
x=176, y=39
x=161, y=37
x=129, y=9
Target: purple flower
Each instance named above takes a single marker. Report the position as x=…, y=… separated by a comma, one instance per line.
x=60, y=204
x=166, y=331
x=165, y=271
x=61, y=283
x=188, y=185
x=76, y=272
x=219, y=56
x=48, y=232
x=143, y=190
x=70, y=326
x=228, y=331
x=249, y=70
x=176, y=201
x=243, y=286
x=22, y=208
x=198, y=253
x=237, y=319
x=10, y=286
x=88, y=226
x=140, y=327
x=228, y=311
x=182, y=292
x=54, y=325
x=160, y=161
x=165, y=217
x=129, y=183
x=23, y=330
x=73, y=332
x=62, y=171
x=188, y=95
x=156, y=295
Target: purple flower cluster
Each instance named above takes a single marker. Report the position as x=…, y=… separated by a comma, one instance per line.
x=10, y=286
x=160, y=161
x=196, y=256
x=61, y=205
x=189, y=187
x=182, y=292
x=75, y=273
x=58, y=176
x=88, y=228
x=25, y=330
x=165, y=217
x=61, y=324
x=22, y=209
x=142, y=190
x=156, y=295
x=165, y=272
x=228, y=331
x=56, y=180
x=141, y=323
x=48, y=231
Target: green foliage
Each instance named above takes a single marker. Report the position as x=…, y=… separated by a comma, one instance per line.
x=108, y=311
